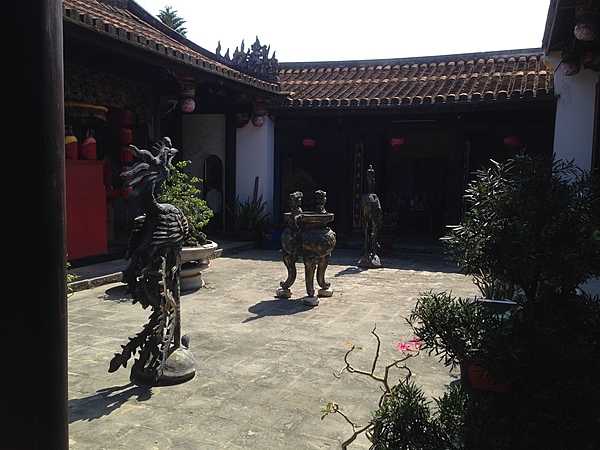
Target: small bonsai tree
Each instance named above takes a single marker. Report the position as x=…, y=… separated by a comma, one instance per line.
x=183, y=191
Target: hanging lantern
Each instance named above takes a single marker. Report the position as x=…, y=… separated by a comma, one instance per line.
x=309, y=143
x=258, y=121
x=125, y=136
x=187, y=101
x=188, y=105
x=397, y=142
x=586, y=22
x=242, y=119
x=126, y=156
x=71, y=145
x=87, y=149
x=513, y=141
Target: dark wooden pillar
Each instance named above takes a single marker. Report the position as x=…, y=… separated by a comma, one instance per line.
x=36, y=358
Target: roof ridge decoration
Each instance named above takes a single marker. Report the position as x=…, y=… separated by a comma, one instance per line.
x=255, y=61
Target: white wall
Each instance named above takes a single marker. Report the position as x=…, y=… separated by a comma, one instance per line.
x=574, y=127
x=203, y=135
x=254, y=157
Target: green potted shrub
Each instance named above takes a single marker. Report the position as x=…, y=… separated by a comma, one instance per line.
x=528, y=229
x=468, y=334
x=529, y=235
x=183, y=191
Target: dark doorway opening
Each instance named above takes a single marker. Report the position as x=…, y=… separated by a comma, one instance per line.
x=213, y=191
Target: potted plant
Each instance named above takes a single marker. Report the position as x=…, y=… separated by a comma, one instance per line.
x=182, y=190
x=528, y=230
x=530, y=236
x=250, y=217
x=467, y=333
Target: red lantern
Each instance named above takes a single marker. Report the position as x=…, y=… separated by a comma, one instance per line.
x=125, y=136
x=309, y=143
x=397, y=142
x=188, y=105
x=126, y=155
x=513, y=141
x=87, y=149
x=122, y=118
x=242, y=119
x=71, y=147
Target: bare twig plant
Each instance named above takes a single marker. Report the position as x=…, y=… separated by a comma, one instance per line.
x=382, y=378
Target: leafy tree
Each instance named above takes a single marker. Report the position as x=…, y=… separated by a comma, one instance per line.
x=170, y=18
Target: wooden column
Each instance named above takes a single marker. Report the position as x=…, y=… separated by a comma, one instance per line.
x=35, y=361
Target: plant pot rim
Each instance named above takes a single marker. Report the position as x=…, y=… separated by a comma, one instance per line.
x=209, y=245
x=198, y=253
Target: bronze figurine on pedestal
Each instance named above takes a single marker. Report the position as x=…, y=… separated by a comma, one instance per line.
x=152, y=275
x=307, y=235
x=371, y=216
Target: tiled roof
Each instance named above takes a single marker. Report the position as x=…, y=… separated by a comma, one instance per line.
x=466, y=78
x=128, y=22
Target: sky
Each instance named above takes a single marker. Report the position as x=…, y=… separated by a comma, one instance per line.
x=331, y=30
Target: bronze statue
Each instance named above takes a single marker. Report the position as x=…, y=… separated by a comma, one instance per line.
x=371, y=216
x=320, y=200
x=307, y=235
x=152, y=275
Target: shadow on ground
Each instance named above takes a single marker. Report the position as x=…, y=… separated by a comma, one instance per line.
x=105, y=401
x=349, y=271
x=117, y=294
x=429, y=262
x=275, y=307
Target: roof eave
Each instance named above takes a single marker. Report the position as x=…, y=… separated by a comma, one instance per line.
x=171, y=55
x=550, y=26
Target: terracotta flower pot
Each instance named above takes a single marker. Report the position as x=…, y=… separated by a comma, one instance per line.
x=477, y=377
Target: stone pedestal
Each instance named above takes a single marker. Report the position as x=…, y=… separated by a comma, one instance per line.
x=179, y=368
x=310, y=300
x=369, y=262
x=325, y=292
x=283, y=293
x=194, y=260
x=191, y=275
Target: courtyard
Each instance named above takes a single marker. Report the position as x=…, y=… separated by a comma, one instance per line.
x=265, y=366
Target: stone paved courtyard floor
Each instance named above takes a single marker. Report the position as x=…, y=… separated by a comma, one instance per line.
x=265, y=366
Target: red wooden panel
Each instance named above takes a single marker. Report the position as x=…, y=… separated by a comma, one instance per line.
x=86, y=209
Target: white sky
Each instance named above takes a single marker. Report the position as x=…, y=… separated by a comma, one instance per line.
x=320, y=30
